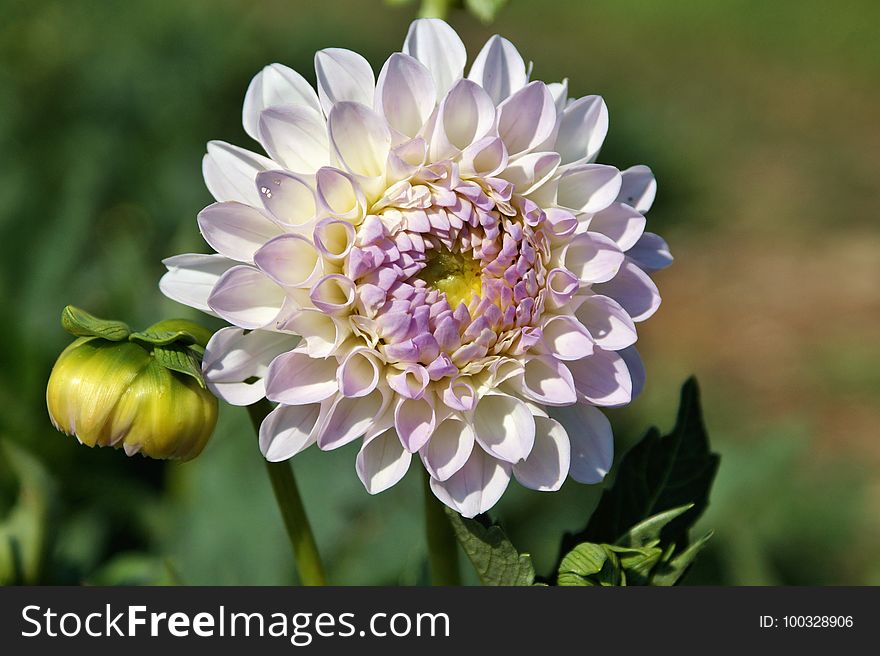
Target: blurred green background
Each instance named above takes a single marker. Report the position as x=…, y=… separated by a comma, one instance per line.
x=760, y=121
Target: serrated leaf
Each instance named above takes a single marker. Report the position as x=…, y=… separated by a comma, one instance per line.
x=495, y=559
x=656, y=475
x=648, y=531
x=669, y=573
x=180, y=359
x=82, y=324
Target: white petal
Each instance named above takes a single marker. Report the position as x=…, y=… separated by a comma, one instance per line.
x=650, y=252
x=414, y=420
x=483, y=158
x=360, y=138
x=245, y=297
x=559, y=91
x=588, y=187
x=464, y=116
x=236, y=230
x=233, y=357
x=333, y=294
x=358, y=374
x=191, y=278
x=582, y=129
x=294, y=378
x=382, y=461
x=438, y=47
x=527, y=119
x=289, y=260
x=566, y=338
x=619, y=222
x=547, y=381
x=405, y=94
x=322, y=333
x=547, y=465
x=289, y=197
x=504, y=427
x=602, y=379
x=346, y=419
x=230, y=171
x=609, y=324
x=593, y=257
x=334, y=239
x=530, y=171
x=591, y=439
x=636, y=368
x=476, y=487
x=634, y=290
x=296, y=136
x=275, y=85
x=343, y=75
x=448, y=449
x=339, y=195
x=499, y=69
x=288, y=430
x=638, y=188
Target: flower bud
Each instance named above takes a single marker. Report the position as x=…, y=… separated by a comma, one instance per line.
x=139, y=391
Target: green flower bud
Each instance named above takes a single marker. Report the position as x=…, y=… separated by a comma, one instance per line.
x=142, y=392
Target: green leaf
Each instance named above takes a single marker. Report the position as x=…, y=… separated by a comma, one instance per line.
x=671, y=571
x=24, y=530
x=647, y=532
x=493, y=556
x=82, y=324
x=589, y=564
x=180, y=359
x=656, y=475
x=190, y=332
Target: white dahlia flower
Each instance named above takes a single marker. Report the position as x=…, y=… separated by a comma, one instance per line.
x=430, y=263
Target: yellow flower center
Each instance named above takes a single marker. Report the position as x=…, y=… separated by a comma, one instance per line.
x=455, y=274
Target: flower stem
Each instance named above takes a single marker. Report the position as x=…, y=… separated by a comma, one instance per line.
x=305, y=551
x=442, y=545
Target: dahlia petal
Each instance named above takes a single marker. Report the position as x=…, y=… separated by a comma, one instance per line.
x=634, y=290
x=636, y=368
x=448, y=449
x=360, y=138
x=464, y=116
x=296, y=136
x=405, y=94
x=339, y=195
x=638, y=188
x=322, y=333
x=530, y=171
x=602, y=379
x=588, y=187
x=485, y=157
x=434, y=43
x=346, y=419
x=343, y=75
x=288, y=430
x=547, y=465
x=527, y=119
x=566, y=338
x=233, y=357
x=561, y=286
x=294, y=378
x=382, y=461
x=229, y=172
x=415, y=420
x=582, y=129
x=191, y=278
x=236, y=230
x=275, y=85
x=620, y=223
x=593, y=258
x=504, y=427
x=476, y=487
x=459, y=395
x=289, y=260
x=246, y=298
x=333, y=294
x=608, y=323
x=334, y=239
x=559, y=91
x=358, y=374
x=289, y=197
x=591, y=439
x=650, y=253
x=547, y=380
x=499, y=69
x=411, y=382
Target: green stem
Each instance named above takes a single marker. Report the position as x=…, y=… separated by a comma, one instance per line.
x=442, y=545
x=305, y=551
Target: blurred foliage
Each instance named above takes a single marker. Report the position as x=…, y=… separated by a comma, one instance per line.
x=759, y=120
